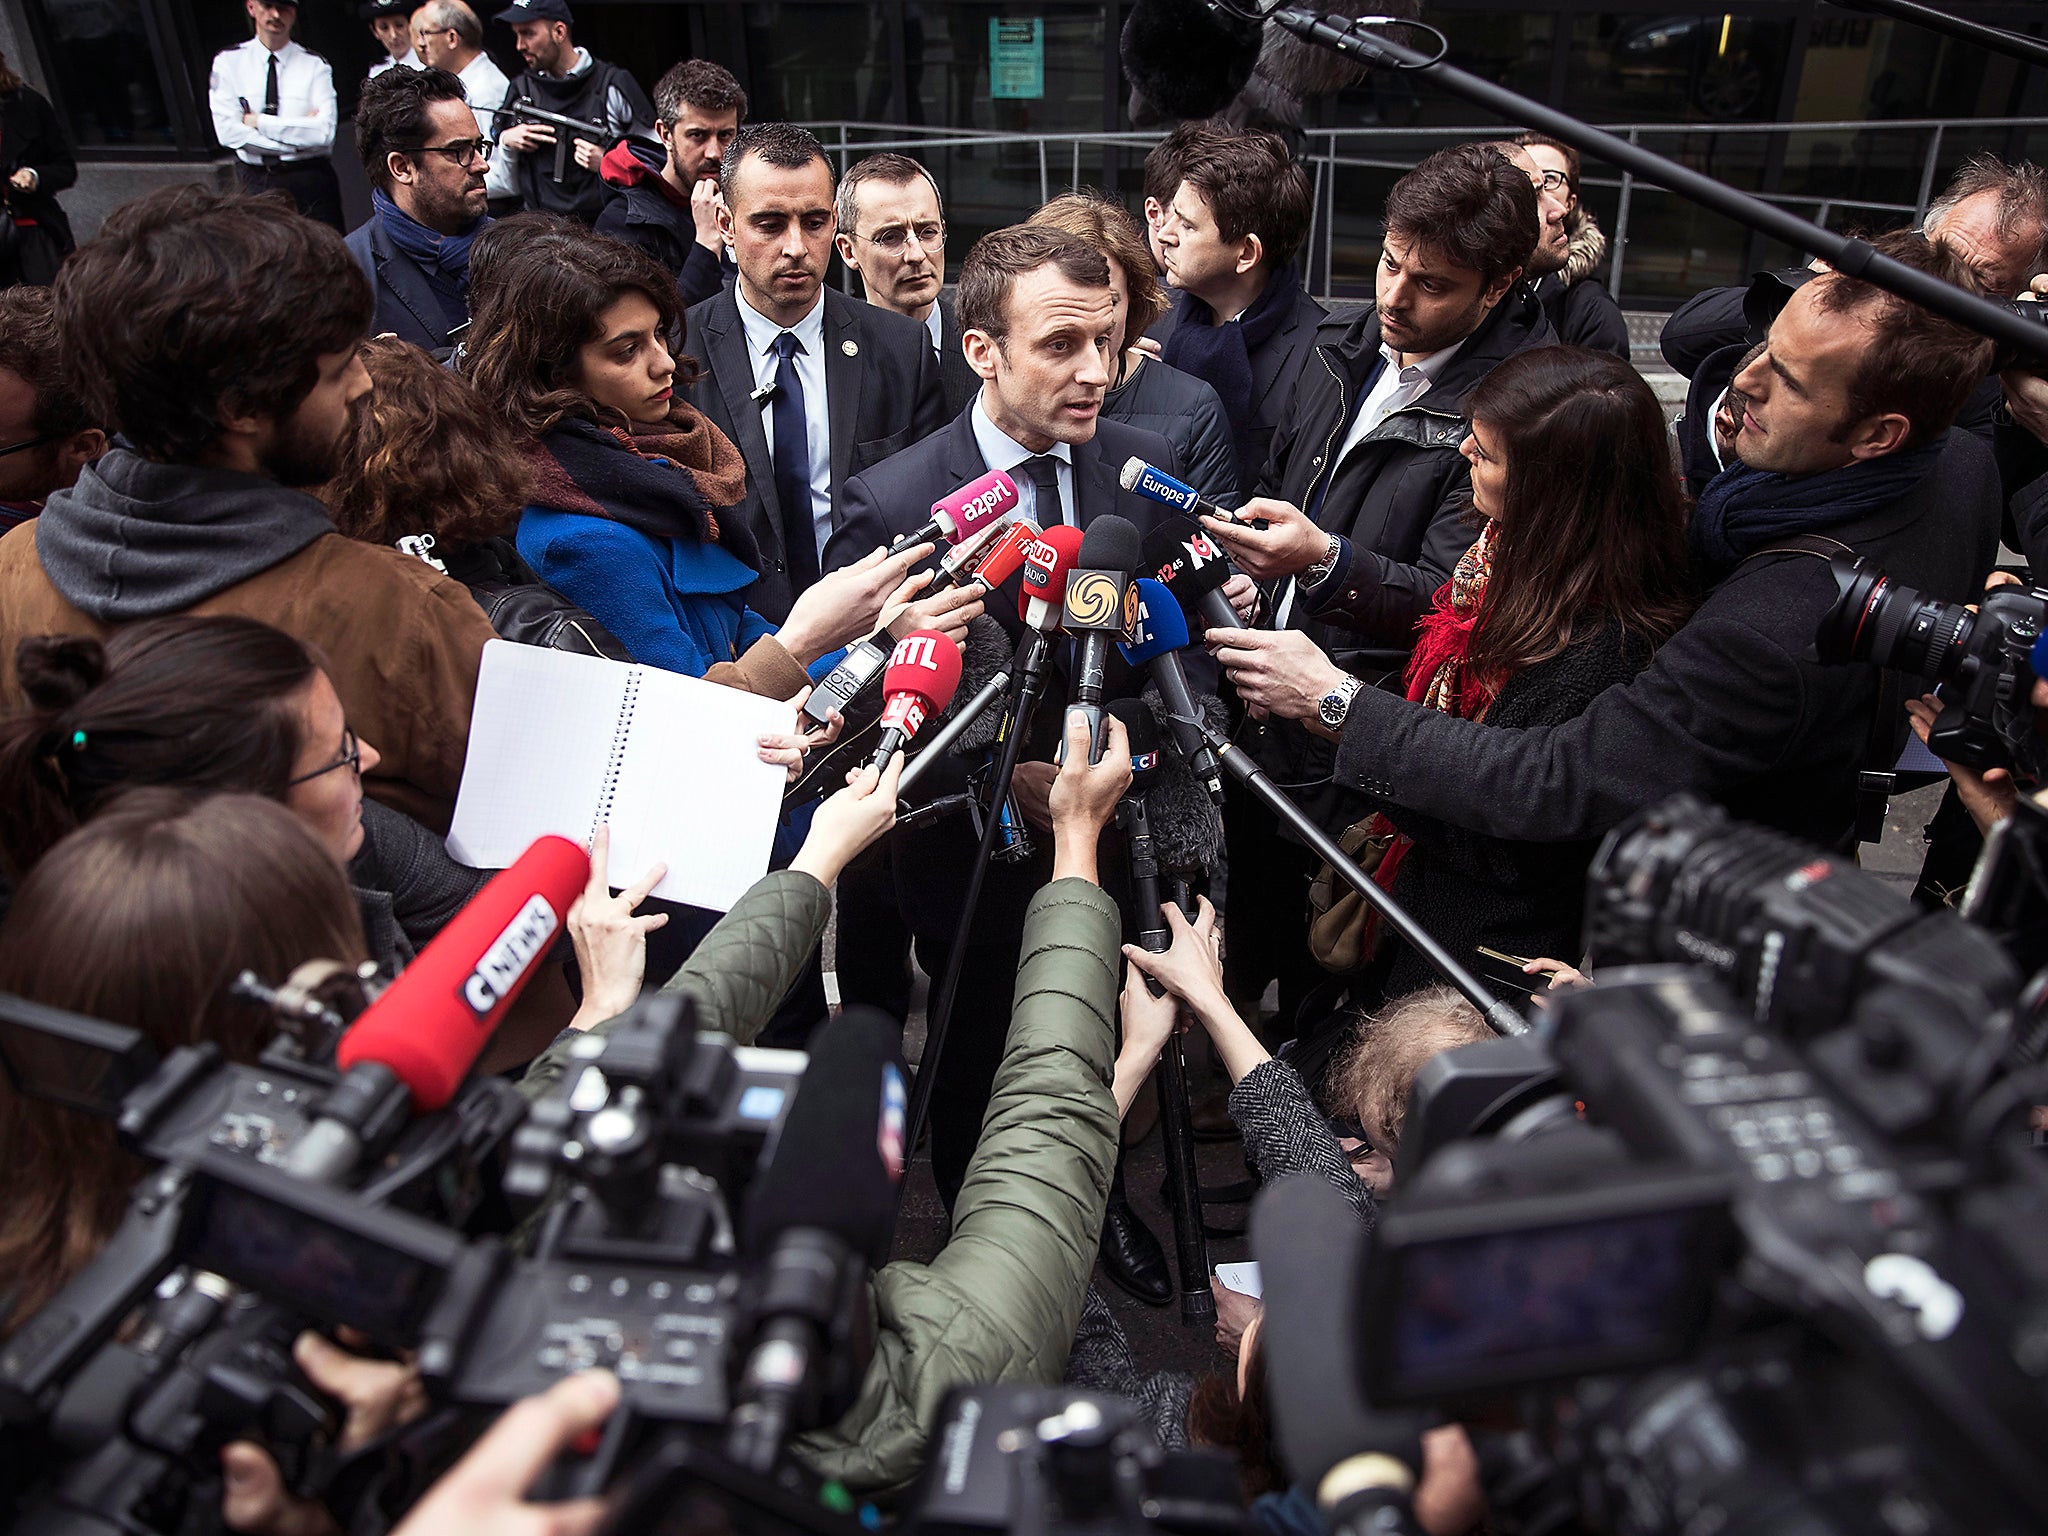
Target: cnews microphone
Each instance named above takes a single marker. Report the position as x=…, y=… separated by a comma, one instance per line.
x=1161, y=631
x=1101, y=605
x=1157, y=485
x=954, y=517
x=429, y=1026
x=924, y=669
x=1193, y=569
x=1046, y=565
x=819, y=1216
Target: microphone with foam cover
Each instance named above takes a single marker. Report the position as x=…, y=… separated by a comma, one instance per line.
x=819, y=1216
x=1100, y=608
x=1186, y=560
x=1185, y=58
x=924, y=671
x=1046, y=567
x=988, y=656
x=1186, y=825
x=956, y=516
x=1156, y=645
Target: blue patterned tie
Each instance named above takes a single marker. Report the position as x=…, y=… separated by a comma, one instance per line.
x=792, y=451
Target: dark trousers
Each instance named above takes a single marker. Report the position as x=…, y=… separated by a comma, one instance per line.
x=975, y=1039
x=872, y=958
x=311, y=184
x=1265, y=924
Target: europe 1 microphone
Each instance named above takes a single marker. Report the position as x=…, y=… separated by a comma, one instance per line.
x=1155, y=644
x=1186, y=560
x=956, y=516
x=1156, y=484
x=1101, y=606
x=924, y=670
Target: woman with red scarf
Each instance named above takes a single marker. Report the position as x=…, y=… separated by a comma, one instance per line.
x=1578, y=574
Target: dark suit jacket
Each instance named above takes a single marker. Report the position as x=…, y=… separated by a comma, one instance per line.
x=406, y=305
x=957, y=382
x=883, y=395
x=1278, y=364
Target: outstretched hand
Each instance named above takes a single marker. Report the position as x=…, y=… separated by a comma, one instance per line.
x=848, y=821
x=610, y=942
x=1191, y=967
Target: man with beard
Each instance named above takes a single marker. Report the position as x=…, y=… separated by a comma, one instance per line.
x=814, y=386
x=425, y=158
x=1565, y=267
x=563, y=79
x=666, y=202
x=221, y=333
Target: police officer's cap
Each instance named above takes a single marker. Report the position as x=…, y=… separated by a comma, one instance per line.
x=535, y=10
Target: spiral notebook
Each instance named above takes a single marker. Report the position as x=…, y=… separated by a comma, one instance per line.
x=564, y=743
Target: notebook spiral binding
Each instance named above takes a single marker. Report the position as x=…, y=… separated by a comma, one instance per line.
x=617, y=760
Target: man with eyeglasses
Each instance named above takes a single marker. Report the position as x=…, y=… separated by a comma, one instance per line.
x=892, y=231
x=1564, y=268
x=446, y=34
x=425, y=159
x=666, y=200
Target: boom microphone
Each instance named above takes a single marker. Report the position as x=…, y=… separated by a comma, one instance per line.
x=924, y=670
x=1184, y=558
x=1101, y=604
x=1187, y=828
x=988, y=652
x=1162, y=631
x=956, y=516
x=1185, y=59
x=820, y=1215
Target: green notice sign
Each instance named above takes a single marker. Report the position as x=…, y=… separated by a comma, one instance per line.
x=1016, y=59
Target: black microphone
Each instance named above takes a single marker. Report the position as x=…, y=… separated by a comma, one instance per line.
x=1101, y=606
x=819, y=1217
x=1180, y=555
x=1355, y=1459
x=1187, y=830
x=1185, y=58
x=1156, y=644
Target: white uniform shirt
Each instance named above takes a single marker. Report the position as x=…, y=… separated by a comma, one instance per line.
x=302, y=129
x=761, y=332
x=485, y=85
x=410, y=59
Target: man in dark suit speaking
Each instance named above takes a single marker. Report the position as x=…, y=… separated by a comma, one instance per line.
x=813, y=386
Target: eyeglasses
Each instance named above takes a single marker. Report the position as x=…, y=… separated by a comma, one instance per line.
x=32, y=442
x=1553, y=181
x=351, y=757
x=896, y=236
x=462, y=151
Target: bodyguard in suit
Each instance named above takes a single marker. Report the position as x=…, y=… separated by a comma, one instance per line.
x=892, y=231
x=425, y=157
x=814, y=386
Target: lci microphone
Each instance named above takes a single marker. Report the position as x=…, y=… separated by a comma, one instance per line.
x=956, y=516
x=924, y=669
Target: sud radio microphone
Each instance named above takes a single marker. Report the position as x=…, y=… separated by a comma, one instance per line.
x=1157, y=485
x=428, y=1028
x=819, y=1216
x=1047, y=563
x=1155, y=644
x=924, y=669
x=956, y=516
x=1187, y=561
x=1101, y=606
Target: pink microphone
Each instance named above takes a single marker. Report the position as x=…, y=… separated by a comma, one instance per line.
x=975, y=504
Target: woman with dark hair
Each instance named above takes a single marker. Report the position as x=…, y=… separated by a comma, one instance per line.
x=36, y=163
x=1148, y=393
x=634, y=512
x=455, y=507
x=144, y=918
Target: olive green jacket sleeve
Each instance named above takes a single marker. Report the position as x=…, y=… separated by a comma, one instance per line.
x=738, y=975
x=1002, y=1300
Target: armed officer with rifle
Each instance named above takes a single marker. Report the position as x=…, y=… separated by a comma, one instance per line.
x=560, y=115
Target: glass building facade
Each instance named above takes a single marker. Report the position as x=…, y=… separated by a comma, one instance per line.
x=1858, y=92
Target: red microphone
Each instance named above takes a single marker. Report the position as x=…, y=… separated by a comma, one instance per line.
x=1004, y=558
x=924, y=669
x=1046, y=565
x=976, y=503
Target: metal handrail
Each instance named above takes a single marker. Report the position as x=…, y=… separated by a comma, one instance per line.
x=1325, y=154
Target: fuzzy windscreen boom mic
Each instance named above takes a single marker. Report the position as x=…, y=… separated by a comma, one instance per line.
x=1186, y=59
x=987, y=652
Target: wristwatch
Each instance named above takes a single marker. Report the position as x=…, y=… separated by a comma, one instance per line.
x=1336, y=704
x=1319, y=572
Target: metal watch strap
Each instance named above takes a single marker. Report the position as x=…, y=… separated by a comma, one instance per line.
x=1319, y=572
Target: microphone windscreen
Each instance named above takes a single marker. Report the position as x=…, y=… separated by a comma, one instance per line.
x=1046, y=565
x=980, y=501
x=1162, y=627
x=840, y=1152
x=1111, y=544
x=1187, y=829
x=1186, y=60
x=1310, y=1249
x=927, y=664
x=1180, y=554
x=988, y=652
x=431, y=1024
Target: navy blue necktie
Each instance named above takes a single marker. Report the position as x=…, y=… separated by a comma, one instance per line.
x=792, y=451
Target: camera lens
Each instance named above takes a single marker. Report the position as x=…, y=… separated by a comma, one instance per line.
x=1894, y=626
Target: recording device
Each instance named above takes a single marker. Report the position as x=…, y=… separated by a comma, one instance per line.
x=1100, y=605
x=1155, y=644
x=1751, y=1223
x=1157, y=485
x=956, y=516
x=924, y=669
x=1982, y=660
x=1187, y=562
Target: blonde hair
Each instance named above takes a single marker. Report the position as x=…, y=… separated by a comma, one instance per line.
x=1375, y=1075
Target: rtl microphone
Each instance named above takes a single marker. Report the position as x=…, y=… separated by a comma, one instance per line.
x=1047, y=563
x=924, y=669
x=1157, y=485
x=429, y=1026
x=819, y=1216
x=956, y=516
x=1101, y=607
x=1193, y=569
x=1162, y=630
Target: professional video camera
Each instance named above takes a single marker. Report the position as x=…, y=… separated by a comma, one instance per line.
x=1751, y=1243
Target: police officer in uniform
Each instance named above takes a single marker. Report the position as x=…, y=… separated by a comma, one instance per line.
x=273, y=105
